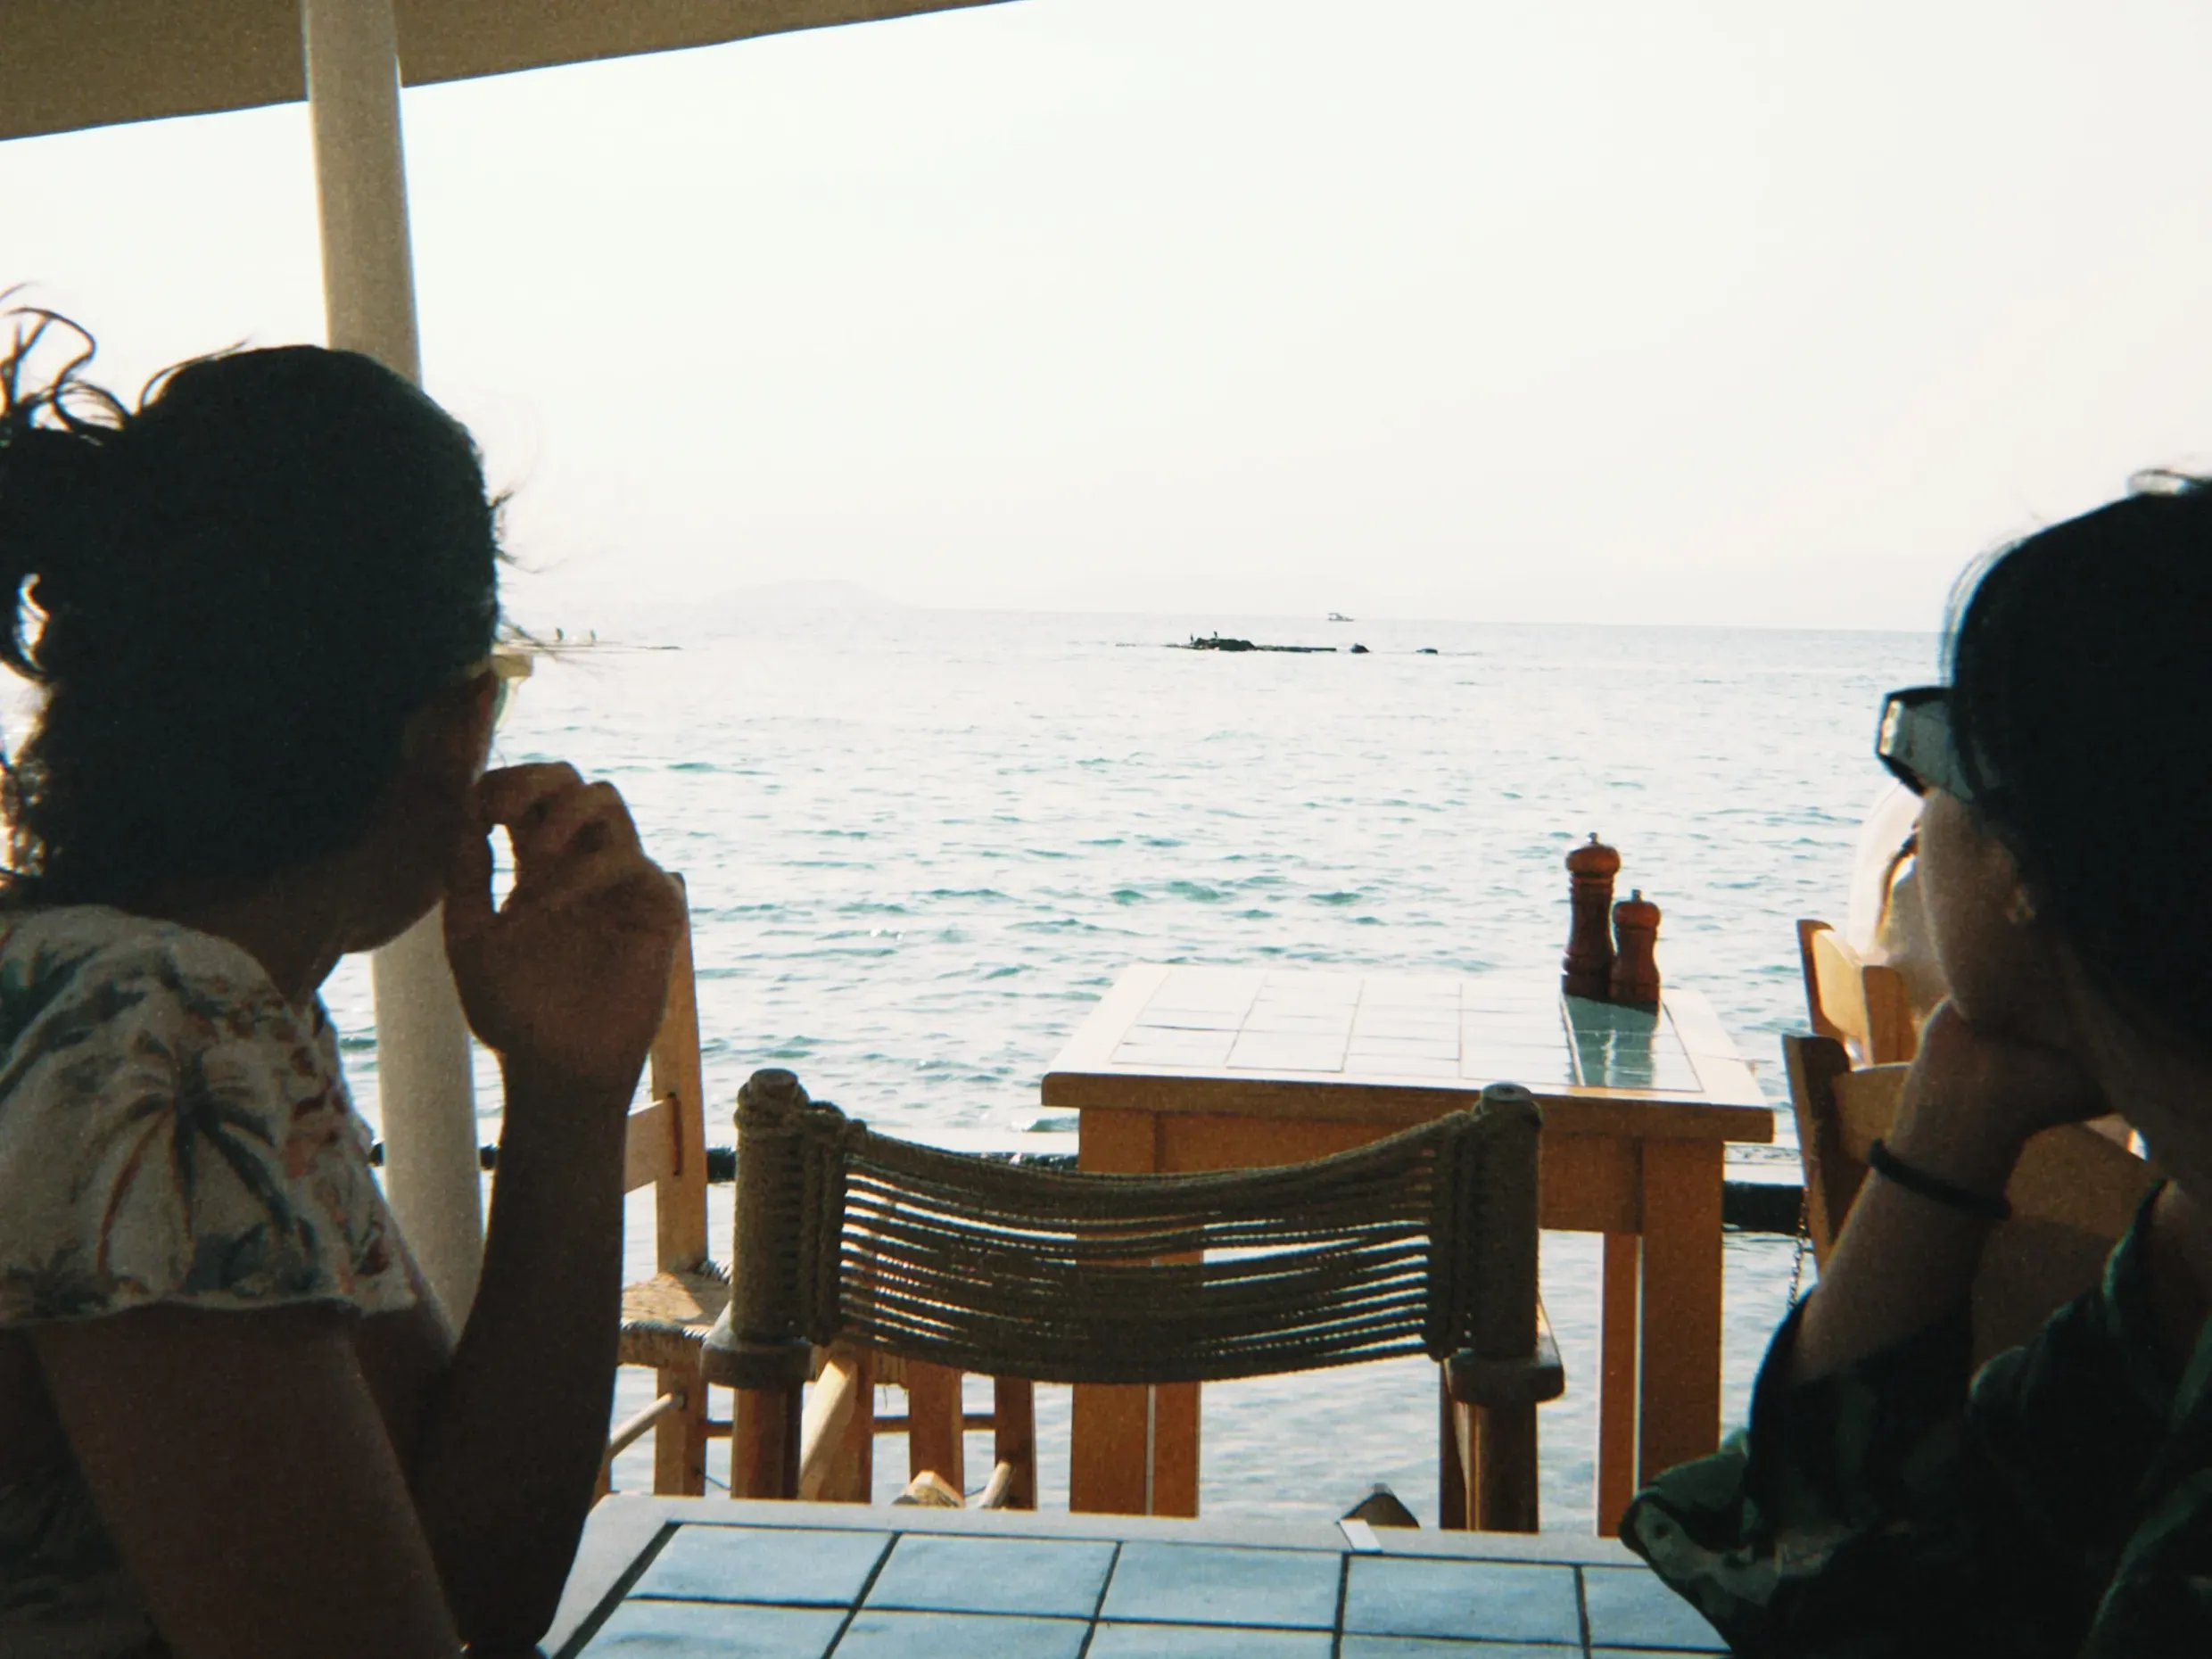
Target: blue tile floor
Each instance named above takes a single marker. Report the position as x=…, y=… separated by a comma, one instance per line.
x=825, y=1593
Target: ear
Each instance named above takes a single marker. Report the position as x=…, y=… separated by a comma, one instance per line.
x=449, y=739
x=2000, y=871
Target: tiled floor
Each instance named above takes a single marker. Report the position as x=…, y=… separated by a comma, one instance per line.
x=737, y=1590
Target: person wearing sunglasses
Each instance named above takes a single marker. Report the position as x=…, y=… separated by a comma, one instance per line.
x=257, y=611
x=1884, y=1500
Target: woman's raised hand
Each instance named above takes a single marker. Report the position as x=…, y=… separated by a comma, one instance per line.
x=1975, y=1097
x=568, y=978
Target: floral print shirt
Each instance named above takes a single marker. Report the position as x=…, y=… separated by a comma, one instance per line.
x=173, y=1131
x=2057, y=1505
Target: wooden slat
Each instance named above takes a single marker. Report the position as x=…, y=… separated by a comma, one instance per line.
x=998, y=1492
x=1858, y=1003
x=1679, y=1330
x=1649, y=1114
x=1619, y=1311
x=680, y=1203
x=631, y=1430
x=1013, y=1440
x=836, y=1432
x=1816, y=1006
x=647, y=1145
x=935, y=1427
x=1818, y=1069
x=680, y=1446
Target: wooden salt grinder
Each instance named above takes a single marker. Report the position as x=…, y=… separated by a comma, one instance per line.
x=1587, y=966
x=1635, y=980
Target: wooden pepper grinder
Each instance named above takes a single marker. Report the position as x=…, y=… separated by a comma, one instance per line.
x=1634, y=982
x=1587, y=966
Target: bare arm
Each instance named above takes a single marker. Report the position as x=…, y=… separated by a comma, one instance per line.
x=239, y=1462
x=567, y=981
x=504, y=1466
x=1970, y=1104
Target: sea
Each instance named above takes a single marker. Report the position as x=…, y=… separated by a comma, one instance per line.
x=920, y=844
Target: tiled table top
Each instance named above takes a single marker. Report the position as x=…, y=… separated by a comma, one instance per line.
x=1192, y=1026
x=676, y=1577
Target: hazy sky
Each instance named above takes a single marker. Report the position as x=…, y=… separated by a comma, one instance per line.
x=1672, y=310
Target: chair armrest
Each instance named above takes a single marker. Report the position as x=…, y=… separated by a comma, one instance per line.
x=727, y=1361
x=1530, y=1381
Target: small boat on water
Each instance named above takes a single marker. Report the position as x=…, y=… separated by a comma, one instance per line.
x=1338, y=616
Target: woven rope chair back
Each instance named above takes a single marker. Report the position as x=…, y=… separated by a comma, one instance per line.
x=1424, y=1242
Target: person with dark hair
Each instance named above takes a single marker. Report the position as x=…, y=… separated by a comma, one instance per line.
x=258, y=610
x=1883, y=1501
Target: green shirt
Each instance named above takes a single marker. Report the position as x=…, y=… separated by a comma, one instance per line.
x=2058, y=1502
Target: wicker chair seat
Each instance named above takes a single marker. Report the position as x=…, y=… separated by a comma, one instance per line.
x=665, y=1319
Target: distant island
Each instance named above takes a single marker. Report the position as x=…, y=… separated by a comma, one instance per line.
x=1219, y=642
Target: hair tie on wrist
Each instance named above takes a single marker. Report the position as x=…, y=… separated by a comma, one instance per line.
x=1990, y=1207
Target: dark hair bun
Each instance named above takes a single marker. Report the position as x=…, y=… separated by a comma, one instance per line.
x=239, y=593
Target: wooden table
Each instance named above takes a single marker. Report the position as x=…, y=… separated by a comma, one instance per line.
x=688, y=1577
x=1187, y=1069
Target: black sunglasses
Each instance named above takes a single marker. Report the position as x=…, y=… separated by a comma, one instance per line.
x=1914, y=742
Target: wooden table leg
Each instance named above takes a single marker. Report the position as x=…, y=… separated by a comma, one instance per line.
x=1109, y=1448
x=1013, y=1438
x=1620, y=1283
x=935, y=1437
x=1175, y=1450
x=1679, y=1354
x=1111, y=1432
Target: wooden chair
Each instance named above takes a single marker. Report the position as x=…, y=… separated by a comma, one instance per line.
x=2074, y=1192
x=858, y=1246
x=1858, y=1003
x=665, y=1319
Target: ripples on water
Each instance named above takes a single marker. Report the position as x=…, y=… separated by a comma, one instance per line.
x=920, y=844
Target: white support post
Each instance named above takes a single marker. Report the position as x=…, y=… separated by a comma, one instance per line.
x=428, y=1102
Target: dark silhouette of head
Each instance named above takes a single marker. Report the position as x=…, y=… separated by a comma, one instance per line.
x=2081, y=674
x=233, y=598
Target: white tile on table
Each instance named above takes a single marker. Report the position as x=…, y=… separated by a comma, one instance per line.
x=1205, y=988
x=1390, y=990
x=1529, y=1027
x=1396, y=1027
x=1313, y=987
x=1442, y=1067
x=1431, y=1044
x=1536, y=1067
x=1508, y=992
x=1270, y=1051
x=1158, y=1019
x=1294, y=1021
x=1143, y=1048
